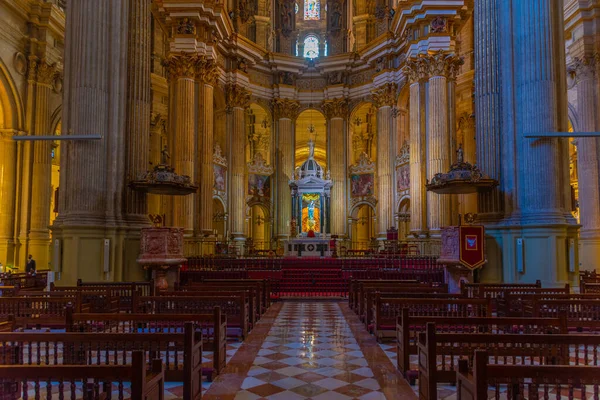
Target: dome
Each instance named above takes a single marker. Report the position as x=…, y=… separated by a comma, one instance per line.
x=311, y=167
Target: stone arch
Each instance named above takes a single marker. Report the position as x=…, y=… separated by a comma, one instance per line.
x=11, y=106
x=362, y=224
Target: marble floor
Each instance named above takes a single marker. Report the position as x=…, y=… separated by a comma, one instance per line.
x=310, y=350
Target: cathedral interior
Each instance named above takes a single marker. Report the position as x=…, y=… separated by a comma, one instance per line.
x=242, y=102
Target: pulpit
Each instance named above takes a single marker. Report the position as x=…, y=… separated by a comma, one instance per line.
x=162, y=252
x=462, y=252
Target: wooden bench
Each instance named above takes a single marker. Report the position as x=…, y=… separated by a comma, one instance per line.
x=582, y=315
x=439, y=352
x=39, y=281
x=590, y=287
x=354, y=289
x=263, y=284
x=409, y=326
x=386, y=311
x=39, y=311
x=472, y=290
x=124, y=291
x=485, y=381
x=236, y=308
x=97, y=300
x=8, y=291
x=213, y=327
x=522, y=305
x=181, y=353
x=63, y=380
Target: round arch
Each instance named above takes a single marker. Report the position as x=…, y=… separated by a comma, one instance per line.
x=362, y=225
x=11, y=105
x=362, y=128
x=308, y=117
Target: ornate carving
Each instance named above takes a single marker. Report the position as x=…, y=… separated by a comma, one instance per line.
x=442, y=64
x=161, y=246
x=416, y=70
x=363, y=166
x=336, y=108
x=584, y=68
x=185, y=26
x=218, y=157
x=46, y=73
x=380, y=64
x=336, y=77
x=311, y=83
x=404, y=156
x=242, y=65
x=335, y=16
x=466, y=121
x=439, y=25
x=286, y=108
x=362, y=77
x=207, y=72
x=183, y=65
x=237, y=96
x=364, y=199
x=385, y=95
x=32, y=69
x=259, y=166
x=287, y=78
x=20, y=63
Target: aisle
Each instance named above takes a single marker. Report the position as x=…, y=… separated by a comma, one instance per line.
x=310, y=351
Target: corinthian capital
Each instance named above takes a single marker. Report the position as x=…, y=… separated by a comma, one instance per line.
x=207, y=72
x=336, y=108
x=416, y=70
x=584, y=68
x=385, y=95
x=46, y=73
x=183, y=65
x=442, y=64
x=286, y=108
x=237, y=96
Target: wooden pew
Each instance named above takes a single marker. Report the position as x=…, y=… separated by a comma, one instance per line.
x=97, y=300
x=213, y=327
x=583, y=315
x=63, y=379
x=514, y=349
x=124, y=291
x=7, y=324
x=486, y=381
x=386, y=311
x=263, y=284
x=522, y=305
x=373, y=285
x=8, y=291
x=41, y=312
x=181, y=352
x=590, y=287
x=354, y=289
x=472, y=290
x=408, y=328
x=235, y=307
x=39, y=281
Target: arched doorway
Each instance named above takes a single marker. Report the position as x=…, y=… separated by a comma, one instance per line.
x=404, y=218
x=363, y=225
x=219, y=218
x=260, y=226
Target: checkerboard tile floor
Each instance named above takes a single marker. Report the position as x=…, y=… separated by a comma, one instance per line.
x=310, y=353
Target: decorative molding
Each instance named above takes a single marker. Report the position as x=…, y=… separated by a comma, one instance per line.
x=185, y=26
x=371, y=200
x=364, y=165
x=218, y=157
x=584, y=68
x=286, y=108
x=404, y=156
x=237, y=96
x=337, y=77
x=259, y=166
x=439, y=64
x=182, y=65
x=207, y=72
x=385, y=95
x=46, y=73
x=20, y=63
x=439, y=25
x=335, y=108
x=466, y=121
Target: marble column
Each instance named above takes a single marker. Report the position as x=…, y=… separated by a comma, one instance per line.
x=39, y=233
x=238, y=100
x=139, y=104
x=385, y=99
x=286, y=112
x=418, y=194
x=207, y=75
x=336, y=111
x=587, y=161
x=182, y=72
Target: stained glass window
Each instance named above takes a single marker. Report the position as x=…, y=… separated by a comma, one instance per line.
x=311, y=46
x=296, y=8
x=312, y=9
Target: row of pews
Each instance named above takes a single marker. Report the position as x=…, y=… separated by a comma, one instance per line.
x=512, y=341
x=122, y=340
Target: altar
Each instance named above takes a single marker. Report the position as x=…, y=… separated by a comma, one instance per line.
x=311, y=202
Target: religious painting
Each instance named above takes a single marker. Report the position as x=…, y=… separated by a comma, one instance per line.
x=312, y=10
x=259, y=185
x=311, y=212
x=220, y=174
x=403, y=177
x=362, y=184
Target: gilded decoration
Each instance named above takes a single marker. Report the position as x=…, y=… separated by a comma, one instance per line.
x=385, y=95
x=32, y=70
x=336, y=108
x=404, y=156
x=259, y=166
x=337, y=77
x=208, y=72
x=46, y=73
x=185, y=26
x=218, y=157
x=237, y=96
x=183, y=65
x=285, y=108
x=439, y=64
x=363, y=166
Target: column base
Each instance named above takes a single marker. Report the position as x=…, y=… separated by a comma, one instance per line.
x=40, y=250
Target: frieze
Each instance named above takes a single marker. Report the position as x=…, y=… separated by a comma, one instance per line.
x=185, y=26
x=439, y=25
x=260, y=78
x=311, y=83
x=46, y=73
x=362, y=77
x=337, y=77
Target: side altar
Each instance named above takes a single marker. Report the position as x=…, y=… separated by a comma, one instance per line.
x=311, y=202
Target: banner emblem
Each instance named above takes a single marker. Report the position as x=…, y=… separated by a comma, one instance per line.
x=472, y=254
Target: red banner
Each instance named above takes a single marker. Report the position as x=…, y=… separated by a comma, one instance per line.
x=472, y=252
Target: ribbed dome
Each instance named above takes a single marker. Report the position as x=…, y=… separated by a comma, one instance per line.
x=311, y=167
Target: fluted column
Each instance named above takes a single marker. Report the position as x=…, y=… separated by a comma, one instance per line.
x=286, y=112
x=238, y=99
x=385, y=98
x=182, y=72
x=207, y=75
x=336, y=112
x=587, y=162
x=418, y=197
x=139, y=105
x=39, y=233
x=8, y=162
x=488, y=106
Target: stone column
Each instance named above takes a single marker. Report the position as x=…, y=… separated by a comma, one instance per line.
x=286, y=112
x=238, y=99
x=8, y=162
x=466, y=124
x=587, y=162
x=418, y=197
x=385, y=98
x=207, y=75
x=182, y=72
x=336, y=111
x=139, y=105
x=39, y=233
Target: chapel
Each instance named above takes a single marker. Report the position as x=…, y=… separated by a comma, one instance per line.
x=299, y=199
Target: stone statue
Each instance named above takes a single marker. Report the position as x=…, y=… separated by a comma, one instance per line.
x=311, y=149
x=164, y=156
x=335, y=21
x=459, y=154
x=287, y=15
